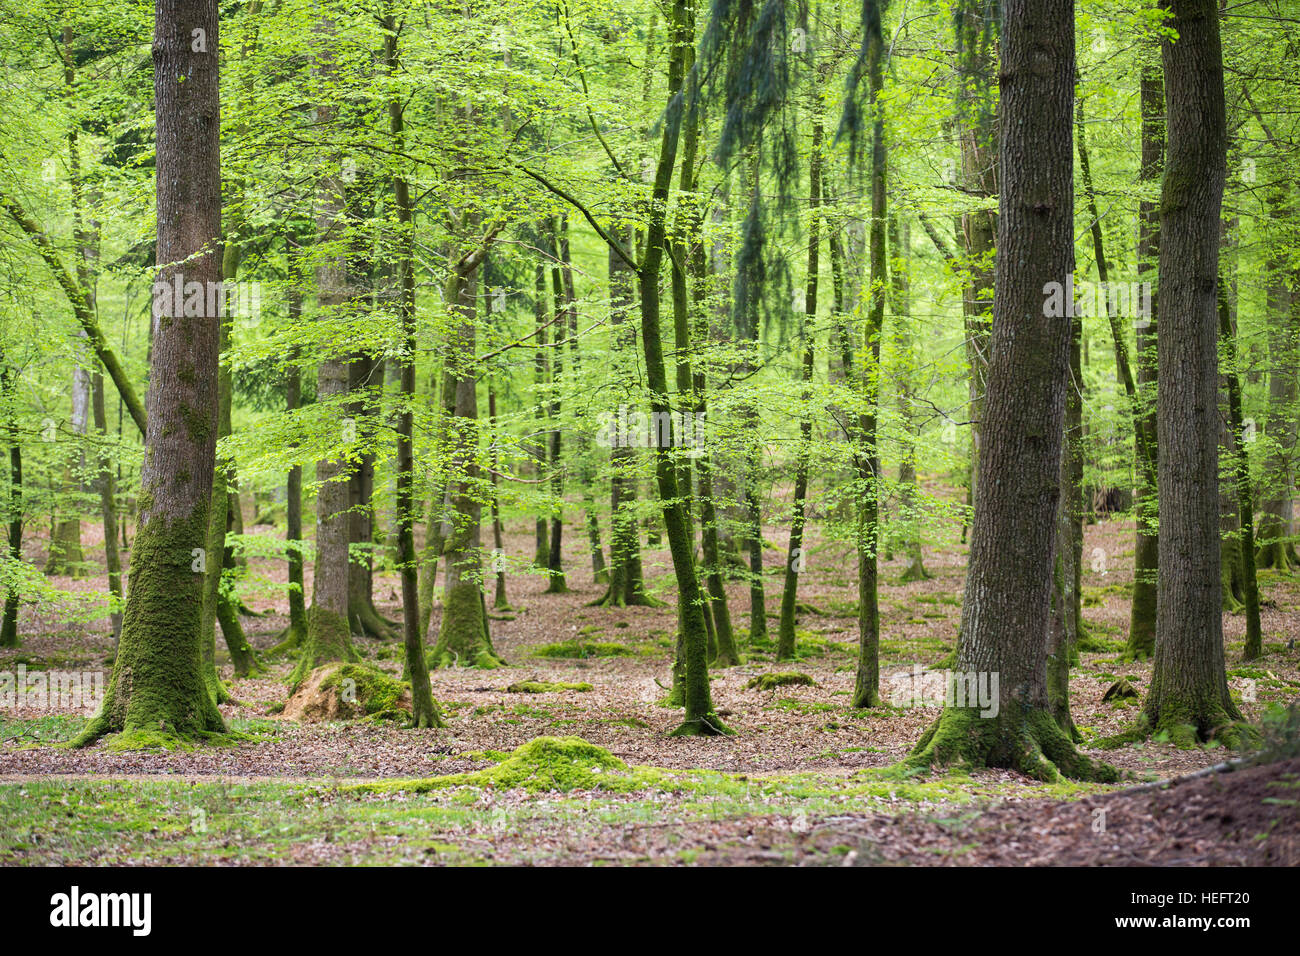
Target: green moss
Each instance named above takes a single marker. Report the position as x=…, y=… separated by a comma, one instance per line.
x=1096, y=597
x=545, y=687
x=464, y=639
x=157, y=678
x=1027, y=740
x=583, y=649
x=137, y=740
x=543, y=764
x=783, y=679
x=328, y=639
x=377, y=694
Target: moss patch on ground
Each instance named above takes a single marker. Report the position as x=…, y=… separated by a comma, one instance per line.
x=545, y=687
x=784, y=679
x=580, y=649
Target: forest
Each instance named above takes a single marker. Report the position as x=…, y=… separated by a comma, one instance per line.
x=652, y=432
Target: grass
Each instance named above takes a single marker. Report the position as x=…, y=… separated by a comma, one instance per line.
x=120, y=823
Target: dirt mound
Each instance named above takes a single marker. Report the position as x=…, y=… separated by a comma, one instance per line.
x=1248, y=817
x=348, y=692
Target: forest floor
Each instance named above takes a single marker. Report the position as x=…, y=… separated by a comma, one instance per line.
x=804, y=780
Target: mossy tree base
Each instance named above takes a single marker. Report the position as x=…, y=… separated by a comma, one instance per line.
x=707, y=726
x=1277, y=555
x=1028, y=741
x=483, y=658
x=611, y=598
x=366, y=621
x=915, y=572
x=1187, y=727
x=289, y=639
x=160, y=681
x=464, y=639
x=328, y=639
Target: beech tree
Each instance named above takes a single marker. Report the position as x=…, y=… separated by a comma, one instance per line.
x=1005, y=612
x=1188, y=697
x=157, y=682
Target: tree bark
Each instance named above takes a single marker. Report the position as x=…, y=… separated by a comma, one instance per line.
x=1188, y=697
x=700, y=718
x=1006, y=611
x=1146, y=552
x=329, y=637
x=157, y=680
x=794, y=556
x=424, y=712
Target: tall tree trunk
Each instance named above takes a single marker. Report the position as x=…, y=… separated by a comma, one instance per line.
x=626, y=584
x=1006, y=611
x=365, y=380
x=1240, y=480
x=541, y=375
x=700, y=718
x=14, y=506
x=437, y=521
x=424, y=712
x=866, y=687
x=750, y=333
x=157, y=681
x=499, y=600
x=976, y=27
x=293, y=635
x=1188, y=696
x=1066, y=623
x=66, y=556
x=329, y=637
x=555, y=550
x=1146, y=551
x=464, y=639
x=909, y=505
x=1277, y=548
x=794, y=555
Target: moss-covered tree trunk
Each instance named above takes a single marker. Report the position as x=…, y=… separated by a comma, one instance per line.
x=293, y=635
x=424, y=712
x=13, y=503
x=499, y=599
x=1188, y=696
x=1066, y=623
x=329, y=637
x=541, y=384
x=794, y=559
x=626, y=582
x=1240, y=480
x=690, y=253
x=463, y=638
x=1276, y=546
x=1006, y=611
x=555, y=547
x=700, y=718
x=866, y=685
x=157, y=681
